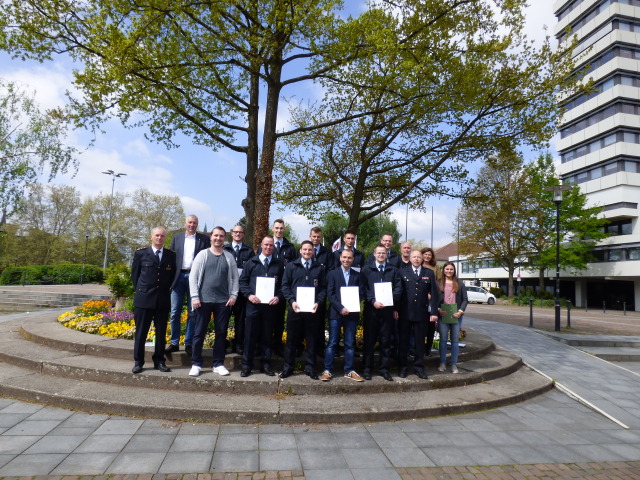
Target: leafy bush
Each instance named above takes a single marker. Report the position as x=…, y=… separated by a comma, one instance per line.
x=497, y=291
x=119, y=280
x=62, y=274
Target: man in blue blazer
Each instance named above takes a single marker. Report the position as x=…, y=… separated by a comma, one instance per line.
x=152, y=272
x=340, y=317
x=186, y=244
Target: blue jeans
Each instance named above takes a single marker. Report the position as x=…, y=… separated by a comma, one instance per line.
x=350, y=324
x=177, y=300
x=454, y=330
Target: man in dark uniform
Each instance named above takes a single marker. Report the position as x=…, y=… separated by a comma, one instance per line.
x=241, y=252
x=405, y=251
x=392, y=257
x=260, y=311
x=349, y=239
x=418, y=305
x=285, y=252
x=302, y=272
x=186, y=244
x=378, y=316
x=152, y=273
x=324, y=257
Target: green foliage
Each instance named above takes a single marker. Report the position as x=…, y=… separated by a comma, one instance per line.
x=369, y=232
x=63, y=274
x=497, y=291
x=118, y=279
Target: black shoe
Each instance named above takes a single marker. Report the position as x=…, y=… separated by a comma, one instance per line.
x=188, y=350
x=403, y=373
x=286, y=374
x=245, y=372
x=162, y=367
x=267, y=371
x=312, y=375
x=171, y=348
x=422, y=375
x=136, y=369
x=387, y=376
x=366, y=375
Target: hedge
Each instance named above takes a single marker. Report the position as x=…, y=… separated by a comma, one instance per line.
x=63, y=274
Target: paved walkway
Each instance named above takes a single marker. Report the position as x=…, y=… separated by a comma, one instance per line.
x=552, y=436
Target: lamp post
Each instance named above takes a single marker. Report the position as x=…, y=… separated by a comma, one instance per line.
x=557, y=199
x=113, y=184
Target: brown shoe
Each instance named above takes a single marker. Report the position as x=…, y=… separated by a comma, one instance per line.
x=354, y=376
x=326, y=376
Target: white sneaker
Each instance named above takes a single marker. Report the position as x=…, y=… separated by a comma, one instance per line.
x=454, y=369
x=195, y=371
x=221, y=370
x=442, y=367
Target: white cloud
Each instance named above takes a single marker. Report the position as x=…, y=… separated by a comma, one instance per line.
x=48, y=83
x=419, y=224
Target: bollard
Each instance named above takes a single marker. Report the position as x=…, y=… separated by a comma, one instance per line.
x=604, y=306
x=568, y=313
x=530, y=312
x=624, y=308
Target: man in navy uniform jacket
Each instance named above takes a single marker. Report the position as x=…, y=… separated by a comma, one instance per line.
x=152, y=273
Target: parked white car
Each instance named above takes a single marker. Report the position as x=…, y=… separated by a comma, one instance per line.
x=480, y=295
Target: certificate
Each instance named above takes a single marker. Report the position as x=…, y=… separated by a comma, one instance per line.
x=265, y=288
x=350, y=298
x=384, y=293
x=306, y=298
x=449, y=310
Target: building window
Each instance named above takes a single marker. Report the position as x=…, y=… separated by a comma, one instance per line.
x=601, y=171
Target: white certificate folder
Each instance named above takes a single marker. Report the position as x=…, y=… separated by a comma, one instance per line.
x=384, y=293
x=265, y=288
x=306, y=298
x=350, y=298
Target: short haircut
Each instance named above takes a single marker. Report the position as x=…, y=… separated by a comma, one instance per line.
x=267, y=236
x=191, y=216
x=218, y=228
x=306, y=242
x=380, y=245
x=352, y=232
x=344, y=250
x=316, y=230
x=279, y=220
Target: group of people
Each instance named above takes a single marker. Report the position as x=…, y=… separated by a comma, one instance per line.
x=402, y=296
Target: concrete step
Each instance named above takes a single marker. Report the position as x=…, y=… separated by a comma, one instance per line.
x=41, y=298
x=614, y=354
x=17, y=351
x=613, y=341
x=282, y=407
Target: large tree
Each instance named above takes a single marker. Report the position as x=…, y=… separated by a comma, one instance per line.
x=581, y=227
x=31, y=143
x=496, y=214
x=445, y=83
x=204, y=69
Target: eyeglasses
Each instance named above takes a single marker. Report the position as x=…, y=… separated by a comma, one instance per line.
x=236, y=231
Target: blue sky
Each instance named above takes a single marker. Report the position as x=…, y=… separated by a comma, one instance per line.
x=207, y=182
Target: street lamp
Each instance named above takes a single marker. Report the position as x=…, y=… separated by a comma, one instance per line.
x=113, y=184
x=557, y=199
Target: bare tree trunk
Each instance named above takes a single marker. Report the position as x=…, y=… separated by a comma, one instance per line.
x=249, y=203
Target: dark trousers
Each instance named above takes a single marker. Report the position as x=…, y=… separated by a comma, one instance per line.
x=220, y=325
x=239, y=316
x=258, y=328
x=418, y=329
x=321, y=328
x=378, y=325
x=143, y=318
x=300, y=326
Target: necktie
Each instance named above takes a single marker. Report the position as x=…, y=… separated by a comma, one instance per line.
x=416, y=270
x=346, y=277
x=237, y=248
x=306, y=265
x=266, y=263
x=158, y=256
x=381, y=268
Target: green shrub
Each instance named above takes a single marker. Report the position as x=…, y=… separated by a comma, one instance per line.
x=497, y=291
x=119, y=280
x=62, y=274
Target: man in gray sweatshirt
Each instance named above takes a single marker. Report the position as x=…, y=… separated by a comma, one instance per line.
x=213, y=285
